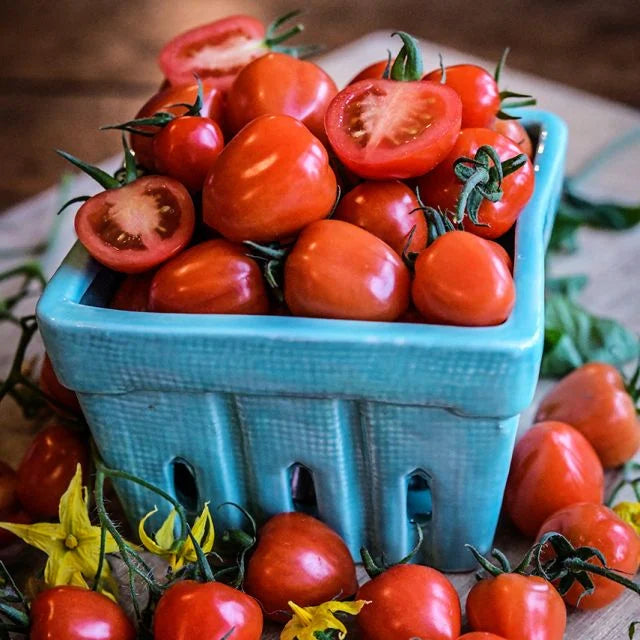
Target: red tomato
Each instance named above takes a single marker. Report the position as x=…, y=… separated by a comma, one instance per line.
x=186, y=149
x=15, y=517
x=463, y=280
x=74, y=613
x=216, y=51
x=517, y=607
x=133, y=293
x=269, y=182
x=593, y=400
x=594, y=525
x=50, y=384
x=384, y=129
x=280, y=84
x=138, y=226
x=206, y=611
x=386, y=209
x=8, y=495
x=164, y=100
x=301, y=559
x=372, y=72
x=338, y=270
x=480, y=635
x=47, y=468
x=212, y=277
x=513, y=130
x=441, y=188
x=552, y=466
x=407, y=601
x=478, y=92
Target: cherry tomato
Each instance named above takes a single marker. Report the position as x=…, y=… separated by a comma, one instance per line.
x=50, y=384
x=480, y=635
x=47, y=468
x=8, y=495
x=138, y=226
x=464, y=280
x=372, y=72
x=517, y=607
x=206, y=611
x=74, y=613
x=441, y=188
x=186, y=149
x=388, y=210
x=553, y=466
x=133, y=293
x=166, y=100
x=301, y=559
x=216, y=51
x=269, y=182
x=478, y=92
x=593, y=400
x=513, y=130
x=212, y=277
x=382, y=129
x=407, y=601
x=338, y=270
x=15, y=517
x=594, y=525
x=281, y=84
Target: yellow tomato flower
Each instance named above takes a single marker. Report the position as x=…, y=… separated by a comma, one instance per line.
x=630, y=513
x=178, y=552
x=73, y=544
x=307, y=620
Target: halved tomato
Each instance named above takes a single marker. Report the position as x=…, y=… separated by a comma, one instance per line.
x=138, y=226
x=389, y=129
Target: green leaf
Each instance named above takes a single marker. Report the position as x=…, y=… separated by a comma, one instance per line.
x=573, y=337
x=569, y=286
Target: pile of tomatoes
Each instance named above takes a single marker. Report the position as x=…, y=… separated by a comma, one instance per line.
x=256, y=186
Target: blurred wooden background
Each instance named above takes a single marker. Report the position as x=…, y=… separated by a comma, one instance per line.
x=71, y=65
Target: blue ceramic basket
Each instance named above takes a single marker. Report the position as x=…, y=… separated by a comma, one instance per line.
x=388, y=422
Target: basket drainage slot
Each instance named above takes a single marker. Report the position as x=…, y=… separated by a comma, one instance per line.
x=303, y=491
x=419, y=504
x=184, y=485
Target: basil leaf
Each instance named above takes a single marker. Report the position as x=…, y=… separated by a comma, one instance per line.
x=569, y=286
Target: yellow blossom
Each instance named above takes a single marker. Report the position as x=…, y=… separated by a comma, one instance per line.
x=178, y=552
x=307, y=620
x=630, y=513
x=73, y=544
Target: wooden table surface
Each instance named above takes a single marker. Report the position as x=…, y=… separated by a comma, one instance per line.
x=608, y=259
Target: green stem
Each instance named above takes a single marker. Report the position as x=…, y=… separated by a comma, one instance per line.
x=576, y=564
x=489, y=567
x=15, y=615
x=407, y=66
x=369, y=563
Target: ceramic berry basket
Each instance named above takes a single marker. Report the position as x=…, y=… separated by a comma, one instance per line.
x=381, y=423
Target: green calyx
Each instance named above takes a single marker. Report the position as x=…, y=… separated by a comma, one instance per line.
x=522, y=99
x=407, y=66
x=278, y=32
x=503, y=566
x=272, y=257
x=482, y=178
x=374, y=567
x=239, y=543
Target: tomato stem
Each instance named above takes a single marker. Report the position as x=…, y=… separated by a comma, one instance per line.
x=101, y=177
x=20, y=618
x=407, y=66
x=274, y=40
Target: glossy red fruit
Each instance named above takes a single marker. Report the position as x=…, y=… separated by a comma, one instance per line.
x=47, y=468
x=206, y=611
x=133, y=293
x=74, y=613
x=212, y=277
x=50, y=384
x=301, y=559
x=409, y=601
x=513, y=130
x=372, y=72
x=388, y=210
x=480, y=635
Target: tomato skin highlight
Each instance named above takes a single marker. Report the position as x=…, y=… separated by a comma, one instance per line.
x=133, y=293
x=206, y=611
x=593, y=400
x=212, y=277
x=513, y=130
x=441, y=188
x=409, y=600
x=553, y=466
x=298, y=558
x=75, y=613
x=244, y=39
x=269, y=182
x=360, y=127
x=47, y=468
x=387, y=210
x=101, y=224
x=463, y=280
x=373, y=72
x=338, y=270
x=186, y=149
x=594, y=525
x=50, y=384
x=478, y=92
x=517, y=607
x=279, y=84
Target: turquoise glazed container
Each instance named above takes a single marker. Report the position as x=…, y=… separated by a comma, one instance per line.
x=379, y=424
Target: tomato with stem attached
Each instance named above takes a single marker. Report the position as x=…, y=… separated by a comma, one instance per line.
x=269, y=182
x=50, y=384
x=552, y=467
